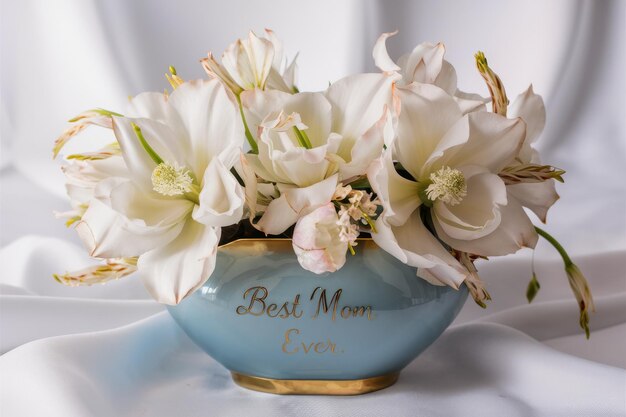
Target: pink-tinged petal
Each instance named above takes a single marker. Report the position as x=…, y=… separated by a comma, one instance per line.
x=515, y=231
x=210, y=119
x=529, y=106
x=398, y=195
x=478, y=214
x=414, y=245
x=172, y=272
x=427, y=114
x=221, y=198
x=424, y=63
x=160, y=138
x=381, y=56
x=316, y=241
x=293, y=203
x=358, y=102
x=537, y=196
x=123, y=221
x=480, y=138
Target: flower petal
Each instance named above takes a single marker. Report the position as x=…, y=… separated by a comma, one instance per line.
x=248, y=61
x=446, y=79
x=257, y=104
x=427, y=114
x=480, y=138
x=381, y=56
x=537, y=196
x=210, y=119
x=358, y=102
x=316, y=241
x=529, y=106
x=366, y=149
x=398, y=195
x=155, y=106
x=123, y=221
x=172, y=272
x=293, y=203
x=278, y=217
x=478, y=214
x=424, y=63
x=221, y=198
x=515, y=231
x=469, y=102
x=414, y=245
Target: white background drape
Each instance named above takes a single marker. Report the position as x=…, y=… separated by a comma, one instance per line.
x=66, y=351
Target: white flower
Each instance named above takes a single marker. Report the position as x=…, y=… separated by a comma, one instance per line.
x=252, y=63
x=425, y=64
x=178, y=190
x=317, y=240
x=451, y=163
x=308, y=142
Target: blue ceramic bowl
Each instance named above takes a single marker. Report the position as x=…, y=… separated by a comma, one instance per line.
x=279, y=328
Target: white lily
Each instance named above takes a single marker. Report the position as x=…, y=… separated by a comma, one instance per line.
x=252, y=63
x=425, y=64
x=451, y=163
x=179, y=191
x=309, y=142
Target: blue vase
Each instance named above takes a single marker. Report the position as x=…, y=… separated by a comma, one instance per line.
x=279, y=328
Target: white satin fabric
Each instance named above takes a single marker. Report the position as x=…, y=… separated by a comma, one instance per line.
x=110, y=351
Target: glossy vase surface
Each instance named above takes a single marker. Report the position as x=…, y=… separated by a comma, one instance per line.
x=279, y=328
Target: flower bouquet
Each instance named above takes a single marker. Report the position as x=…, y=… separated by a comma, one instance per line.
x=382, y=175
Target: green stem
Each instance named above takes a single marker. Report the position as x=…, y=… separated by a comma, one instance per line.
x=303, y=138
x=155, y=156
x=251, y=141
x=566, y=259
x=369, y=221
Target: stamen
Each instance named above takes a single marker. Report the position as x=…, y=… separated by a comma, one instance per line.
x=448, y=185
x=170, y=180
